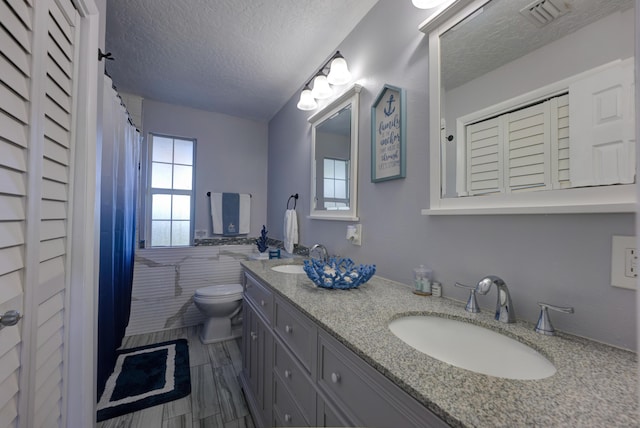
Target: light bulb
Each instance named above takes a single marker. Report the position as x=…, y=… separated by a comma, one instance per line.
x=321, y=89
x=307, y=102
x=339, y=73
x=427, y=4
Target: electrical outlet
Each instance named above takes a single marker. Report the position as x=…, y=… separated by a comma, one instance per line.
x=630, y=263
x=624, y=260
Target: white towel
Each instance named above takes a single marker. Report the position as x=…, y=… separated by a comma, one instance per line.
x=244, y=212
x=290, y=230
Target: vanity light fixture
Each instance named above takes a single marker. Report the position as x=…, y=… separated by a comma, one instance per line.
x=427, y=4
x=338, y=75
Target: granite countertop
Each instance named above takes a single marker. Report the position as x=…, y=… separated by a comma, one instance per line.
x=595, y=384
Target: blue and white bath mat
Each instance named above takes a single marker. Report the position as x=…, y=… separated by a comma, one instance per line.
x=146, y=376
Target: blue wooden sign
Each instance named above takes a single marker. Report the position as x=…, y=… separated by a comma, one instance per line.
x=388, y=139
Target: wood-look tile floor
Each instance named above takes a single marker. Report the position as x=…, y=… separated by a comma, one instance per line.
x=216, y=399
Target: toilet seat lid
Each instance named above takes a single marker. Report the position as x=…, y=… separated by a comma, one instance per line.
x=224, y=290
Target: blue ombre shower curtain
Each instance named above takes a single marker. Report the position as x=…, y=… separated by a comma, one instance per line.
x=120, y=155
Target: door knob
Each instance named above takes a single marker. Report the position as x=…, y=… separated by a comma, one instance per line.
x=10, y=318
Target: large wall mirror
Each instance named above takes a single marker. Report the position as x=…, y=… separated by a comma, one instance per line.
x=334, y=158
x=532, y=107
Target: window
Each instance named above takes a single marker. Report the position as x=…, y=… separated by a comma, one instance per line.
x=170, y=201
x=336, y=184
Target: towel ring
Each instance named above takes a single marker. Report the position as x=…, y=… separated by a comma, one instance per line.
x=295, y=201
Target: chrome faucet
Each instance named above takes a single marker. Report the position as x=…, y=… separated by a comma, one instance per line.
x=324, y=255
x=504, y=307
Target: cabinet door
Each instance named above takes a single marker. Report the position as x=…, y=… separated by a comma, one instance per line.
x=257, y=361
x=327, y=416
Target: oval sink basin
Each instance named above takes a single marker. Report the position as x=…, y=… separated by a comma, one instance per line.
x=472, y=347
x=288, y=269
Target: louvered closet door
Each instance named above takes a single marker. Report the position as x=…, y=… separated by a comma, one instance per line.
x=34, y=204
x=15, y=70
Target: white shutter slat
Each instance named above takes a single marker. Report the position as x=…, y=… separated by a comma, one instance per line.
x=11, y=260
x=9, y=390
x=12, y=182
x=49, y=347
x=22, y=11
x=53, y=229
x=11, y=234
x=527, y=148
x=56, y=152
x=51, y=275
x=58, y=76
x=60, y=59
x=16, y=54
x=53, y=210
x=54, y=171
x=483, y=149
x=13, y=104
x=57, y=114
x=51, y=249
x=50, y=307
x=12, y=156
x=61, y=18
x=59, y=42
x=56, y=133
x=14, y=79
x=11, y=208
x=9, y=413
x=9, y=364
x=15, y=27
x=54, y=191
x=12, y=130
x=11, y=286
x=61, y=98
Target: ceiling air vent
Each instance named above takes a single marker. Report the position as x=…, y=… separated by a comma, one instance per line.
x=542, y=12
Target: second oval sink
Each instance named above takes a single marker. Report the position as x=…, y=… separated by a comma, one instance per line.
x=472, y=347
x=288, y=269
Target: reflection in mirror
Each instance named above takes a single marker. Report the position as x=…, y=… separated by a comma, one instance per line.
x=531, y=101
x=334, y=159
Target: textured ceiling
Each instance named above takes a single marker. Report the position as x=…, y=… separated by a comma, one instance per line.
x=244, y=58
x=500, y=34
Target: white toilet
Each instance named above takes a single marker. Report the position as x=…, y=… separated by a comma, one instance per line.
x=219, y=303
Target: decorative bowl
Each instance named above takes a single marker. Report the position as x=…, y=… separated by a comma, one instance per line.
x=339, y=273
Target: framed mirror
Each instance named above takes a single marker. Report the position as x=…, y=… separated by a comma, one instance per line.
x=334, y=158
x=532, y=107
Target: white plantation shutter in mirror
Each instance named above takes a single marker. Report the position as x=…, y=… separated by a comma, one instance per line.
x=603, y=145
x=484, y=157
x=526, y=148
x=560, y=163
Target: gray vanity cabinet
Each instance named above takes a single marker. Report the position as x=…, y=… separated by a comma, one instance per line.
x=303, y=376
x=257, y=346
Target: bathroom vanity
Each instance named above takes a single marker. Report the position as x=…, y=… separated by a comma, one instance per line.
x=317, y=357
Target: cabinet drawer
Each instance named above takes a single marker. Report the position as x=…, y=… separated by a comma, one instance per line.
x=296, y=331
x=367, y=396
x=285, y=412
x=260, y=296
x=296, y=381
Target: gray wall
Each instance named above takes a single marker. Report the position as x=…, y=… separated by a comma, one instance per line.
x=559, y=259
x=231, y=155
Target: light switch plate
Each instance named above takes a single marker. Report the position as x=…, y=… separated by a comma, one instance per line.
x=624, y=262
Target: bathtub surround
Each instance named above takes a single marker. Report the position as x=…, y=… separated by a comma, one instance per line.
x=165, y=279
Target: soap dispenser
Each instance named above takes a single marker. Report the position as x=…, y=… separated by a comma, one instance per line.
x=422, y=281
